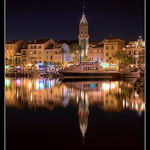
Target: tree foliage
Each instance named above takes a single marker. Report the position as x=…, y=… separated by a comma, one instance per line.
x=123, y=58
x=85, y=58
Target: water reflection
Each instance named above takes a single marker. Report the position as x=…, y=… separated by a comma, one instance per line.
x=110, y=96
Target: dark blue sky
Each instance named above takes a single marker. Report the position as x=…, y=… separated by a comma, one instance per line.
x=59, y=19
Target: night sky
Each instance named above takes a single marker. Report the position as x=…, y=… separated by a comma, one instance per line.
x=59, y=19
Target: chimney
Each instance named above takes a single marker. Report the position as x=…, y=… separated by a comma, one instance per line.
x=29, y=41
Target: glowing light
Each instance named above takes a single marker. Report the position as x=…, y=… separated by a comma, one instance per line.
x=37, y=85
x=48, y=84
x=29, y=85
x=52, y=83
x=77, y=99
x=132, y=105
x=7, y=82
x=123, y=103
x=104, y=65
x=127, y=104
x=6, y=67
x=136, y=106
x=112, y=85
x=143, y=106
x=136, y=95
x=86, y=97
x=119, y=90
x=136, y=56
x=69, y=65
x=92, y=85
x=105, y=86
x=31, y=97
x=41, y=85
x=18, y=67
x=18, y=82
x=29, y=64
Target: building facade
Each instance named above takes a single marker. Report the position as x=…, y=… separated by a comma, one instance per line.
x=13, y=47
x=101, y=51
x=135, y=48
x=41, y=50
x=112, y=45
x=96, y=53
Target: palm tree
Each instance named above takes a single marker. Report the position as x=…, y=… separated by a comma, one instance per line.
x=63, y=51
x=85, y=58
x=122, y=58
x=45, y=65
x=33, y=64
x=23, y=64
x=76, y=50
x=57, y=65
x=110, y=60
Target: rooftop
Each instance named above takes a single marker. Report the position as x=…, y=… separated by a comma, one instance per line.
x=100, y=45
x=39, y=41
x=83, y=19
x=12, y=42
x=111, y=37
x=50, y=46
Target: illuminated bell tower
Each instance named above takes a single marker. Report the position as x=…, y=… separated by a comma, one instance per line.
x=83, y=35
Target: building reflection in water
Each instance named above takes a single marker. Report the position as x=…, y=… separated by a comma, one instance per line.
x=110, y=96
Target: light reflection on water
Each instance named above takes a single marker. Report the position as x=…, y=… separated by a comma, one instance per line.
x=110, y=96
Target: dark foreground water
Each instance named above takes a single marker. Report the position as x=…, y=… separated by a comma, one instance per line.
x=50, y=114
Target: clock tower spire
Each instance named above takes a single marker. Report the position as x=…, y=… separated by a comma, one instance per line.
x=83, y=34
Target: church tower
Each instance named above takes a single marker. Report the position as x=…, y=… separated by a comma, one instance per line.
x=83, y=35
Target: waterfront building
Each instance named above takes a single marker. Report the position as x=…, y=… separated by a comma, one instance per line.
x=13, y=48
x=41, y=50
x=83, y=35
x=101, y=51
x=135, y=48
x=96, y=53
x=52, y=53
x=67, y=57
x=36, y=49
x=112, y=45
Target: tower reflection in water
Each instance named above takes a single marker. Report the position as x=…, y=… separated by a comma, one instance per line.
x=110, y=96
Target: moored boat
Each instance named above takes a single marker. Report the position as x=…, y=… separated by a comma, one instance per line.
x=87, y=70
